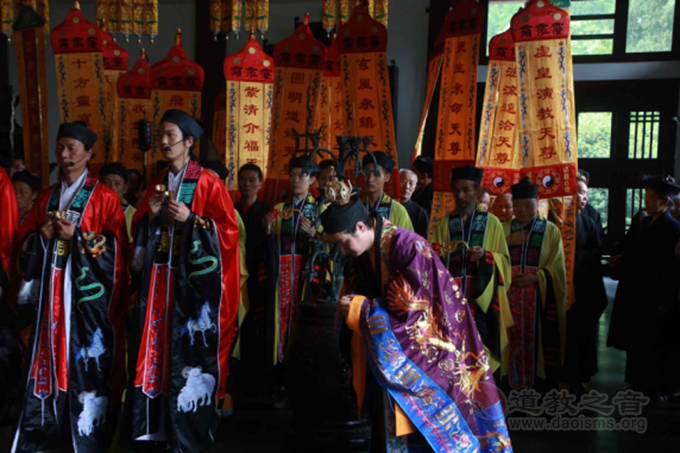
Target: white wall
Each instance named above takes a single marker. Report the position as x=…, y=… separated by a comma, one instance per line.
x=407, y=47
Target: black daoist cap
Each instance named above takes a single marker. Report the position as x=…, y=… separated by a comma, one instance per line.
x=78, y=131
x=383, y=160
x=29, y=179
x=339, y=218
x=524, y=190
x=115, y=168
x=663, y=186
x=187, y=124
x=469, y=173
x=423, y=164
x=218, y=167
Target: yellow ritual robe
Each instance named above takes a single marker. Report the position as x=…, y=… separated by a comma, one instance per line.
x=495, y=287
x=551, y=261
x=243, y=303
x=393, y=211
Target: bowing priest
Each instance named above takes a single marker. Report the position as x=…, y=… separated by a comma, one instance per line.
x=116, y=177
x=431, y=374
x=73, y=264
x=538, y=294
x=374, y=186
x=472, y=245
x=186, y=260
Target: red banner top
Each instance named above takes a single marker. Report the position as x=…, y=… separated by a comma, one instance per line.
x=76, y=35
x=502, y=47
x=135, y=83
x=301, y=50
x=540, y=20
x=250, y=64
x=466, y=18
x=176, y=71
x=332, y=60
x=115, y=57
x=362, y=33
x=221, y=101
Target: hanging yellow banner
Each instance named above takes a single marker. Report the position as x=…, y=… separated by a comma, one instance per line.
x=328, y=9
x=133, y=102
x=367, y=98
x=29, y=45
x=455, y=142
x=262, y=16
x=176, y=83
x=434, y=68
x=232, y=13
x=547, y=134
x=299, y=62
x=151, y=19
x=116, y=61
x=250, y=15
x=77, y=45
x=247, y=111
x=331, y=112
x=499, y=131
x=138, y=19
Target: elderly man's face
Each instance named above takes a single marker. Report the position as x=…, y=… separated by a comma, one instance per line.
x=408, y=182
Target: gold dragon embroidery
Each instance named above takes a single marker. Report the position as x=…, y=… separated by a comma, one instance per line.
x=94, y=244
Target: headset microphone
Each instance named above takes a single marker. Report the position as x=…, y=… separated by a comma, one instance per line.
x=168, y=147
x=73, y=164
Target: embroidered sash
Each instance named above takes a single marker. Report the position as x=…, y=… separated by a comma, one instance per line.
x=463, y=272
x=156, y=337
x=50, y=370
x=524, y=302
x=384, y=208
x=293, y=255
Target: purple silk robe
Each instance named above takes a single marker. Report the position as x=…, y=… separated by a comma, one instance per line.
x=422, y=345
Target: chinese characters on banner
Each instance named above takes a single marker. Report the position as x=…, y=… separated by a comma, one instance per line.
x=299, y=61
x=547, y=134
x=115, y=63
x=331, y=111
x=499, y=136
x=29, y=44
x=248, y=110
x=176, y=83
x=455, y=141
x=367, y=100
x=133, y=102
x=77, y=45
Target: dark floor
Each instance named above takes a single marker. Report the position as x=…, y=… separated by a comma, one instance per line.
x=265, y=430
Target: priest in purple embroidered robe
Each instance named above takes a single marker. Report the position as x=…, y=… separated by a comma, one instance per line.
x=73, y=259
x=538, y=294
x=412, y=325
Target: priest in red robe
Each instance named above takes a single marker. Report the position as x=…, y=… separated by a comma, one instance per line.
x=187, y=267
x=74, y=285
x=9, y=222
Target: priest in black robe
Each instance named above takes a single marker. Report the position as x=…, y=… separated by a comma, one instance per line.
x=419, y=218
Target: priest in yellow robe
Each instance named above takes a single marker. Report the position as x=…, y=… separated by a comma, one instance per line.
x=472, y=245
x=374, y=185
x=538, y=295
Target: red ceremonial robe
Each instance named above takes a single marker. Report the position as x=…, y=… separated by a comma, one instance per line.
x=188, y=279
x=72, y=402
x=9, y=222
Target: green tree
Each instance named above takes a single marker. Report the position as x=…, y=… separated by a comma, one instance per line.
x=650, y=25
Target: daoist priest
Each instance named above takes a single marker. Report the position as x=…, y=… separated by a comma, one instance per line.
x=187, y=265
x=410, y=322
x=472, y=244
x=73, y=264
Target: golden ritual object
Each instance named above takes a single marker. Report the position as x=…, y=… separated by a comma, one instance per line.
x=168, y=194
x=56, y=215
x=288, y=213
x=449, y=247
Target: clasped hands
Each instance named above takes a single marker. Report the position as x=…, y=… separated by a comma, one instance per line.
x=177, y=210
